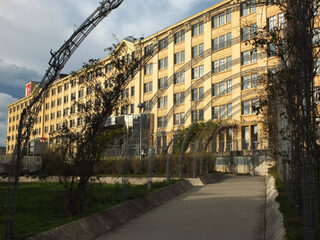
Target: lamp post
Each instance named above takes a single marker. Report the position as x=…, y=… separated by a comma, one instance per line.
x=140, y=106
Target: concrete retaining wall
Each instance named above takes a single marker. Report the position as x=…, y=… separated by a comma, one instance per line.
x=106, y=180
x=256, y=166
x=274, y=220
x=102, y=222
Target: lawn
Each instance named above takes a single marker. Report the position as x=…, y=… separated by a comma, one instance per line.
x=42, y=206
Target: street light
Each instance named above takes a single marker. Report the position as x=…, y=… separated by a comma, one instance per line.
x=140, y=106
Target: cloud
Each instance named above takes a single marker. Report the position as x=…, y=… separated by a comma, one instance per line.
x=13, y=78
x=5, y=100
x=30, y=28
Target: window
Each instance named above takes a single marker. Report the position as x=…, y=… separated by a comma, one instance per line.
x=245, y=82
x=228, y=13
x=201, y=92
x=245, y=138
x=197, y=50
x=215, y=113
x=80, y=93
x=272, y=23
x=58, y=114
x=73, y=96
x=222, y=64
x=53, y=92
x=66, y=86
x=197, y=115
x=254, y=136
x=176, y=98
x=163, y=82
x=162, y=122
x=197, y=94
x=222, y=87
x=47, y=106
x=73, y=109
x=215, y=44
x=163, y=43
x=148, y=68
x=194, y=73
x=163, y=102
x=229, y=63
x=194, y=94
x=254, y=55
x=147, y=87
x=181, y=118
x=46, y=118
x=81, y=79
x=215, y=90
x=272, y=50
x=72, y=123
x=163, y=63
x=179, y=57
x=176, y=119
x=253, y=6
x=179, y=78
x=73, y=83
x=245, y=107
x=253, y=30
x=51, y=128
x=229, y=110
x=201, y=26
x=89, y=90
x=244, y=9
x=221, y=19
x=52, y=116
x=197, y=29
x=132, y=91
x=179, y=36
x=245, y=57
x=148, y=49
x=222, y=111
x=281, y=20
x=108, y=67
x=201, y=49
x=182, y=97
x=201, y=71
x=215, y=66
x=254, y=80
x=194, y=117
x=245, y=34
x=53, y=103
x=229, y=86
x=229, y=39
x=215, y=21
x=222, y=41
x=201, y=114
x=254, y=106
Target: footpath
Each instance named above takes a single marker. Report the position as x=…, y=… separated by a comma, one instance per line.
x=231, y=209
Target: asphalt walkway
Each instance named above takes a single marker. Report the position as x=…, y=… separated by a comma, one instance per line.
x=231, y=209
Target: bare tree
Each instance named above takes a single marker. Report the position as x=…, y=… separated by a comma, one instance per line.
x=80, y=139
x=290, y=98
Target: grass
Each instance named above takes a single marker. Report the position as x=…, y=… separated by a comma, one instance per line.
x=292, y=221
x=42, y=206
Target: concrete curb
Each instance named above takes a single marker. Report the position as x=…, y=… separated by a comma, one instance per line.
x=100, y=223
x=274, y=220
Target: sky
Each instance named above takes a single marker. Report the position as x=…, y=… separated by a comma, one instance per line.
x=29, y=29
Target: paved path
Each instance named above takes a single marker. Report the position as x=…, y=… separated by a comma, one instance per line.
x=231, y=209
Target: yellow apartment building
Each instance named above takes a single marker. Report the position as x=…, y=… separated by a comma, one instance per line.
x=201, y=69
